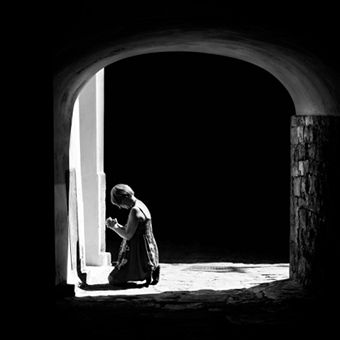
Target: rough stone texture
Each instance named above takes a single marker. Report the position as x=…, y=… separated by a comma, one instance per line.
x=315, y=173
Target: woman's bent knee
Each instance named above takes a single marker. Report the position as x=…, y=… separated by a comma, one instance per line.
x=113, y=280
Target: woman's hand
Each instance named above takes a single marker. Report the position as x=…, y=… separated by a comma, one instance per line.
x=111, y=222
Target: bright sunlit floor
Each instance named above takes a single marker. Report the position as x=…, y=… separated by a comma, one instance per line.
x=190, y=277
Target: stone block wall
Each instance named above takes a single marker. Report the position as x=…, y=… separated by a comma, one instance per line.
x=315, y=174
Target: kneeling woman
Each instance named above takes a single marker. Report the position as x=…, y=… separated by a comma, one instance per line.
x=138, y=258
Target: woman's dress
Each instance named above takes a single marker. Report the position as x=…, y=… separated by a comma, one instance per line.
x=138, y=258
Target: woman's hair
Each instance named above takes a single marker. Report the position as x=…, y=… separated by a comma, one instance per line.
x=119, y=192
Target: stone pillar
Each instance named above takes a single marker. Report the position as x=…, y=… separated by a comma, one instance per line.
x=315, y=192
x=91, y=131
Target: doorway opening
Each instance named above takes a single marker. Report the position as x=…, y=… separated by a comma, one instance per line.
x=210, y=140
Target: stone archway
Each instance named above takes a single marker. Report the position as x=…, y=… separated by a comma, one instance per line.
x=307, y=80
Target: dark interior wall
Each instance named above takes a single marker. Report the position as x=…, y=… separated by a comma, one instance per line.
x=313, y=26
x=204, y=142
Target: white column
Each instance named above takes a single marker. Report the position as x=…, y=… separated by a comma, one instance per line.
x=91, y=132
x=76, y=209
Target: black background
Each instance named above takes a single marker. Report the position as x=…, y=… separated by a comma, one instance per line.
x=204, y=141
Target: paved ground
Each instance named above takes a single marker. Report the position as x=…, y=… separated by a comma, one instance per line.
x=176, y=277
x=197, y=301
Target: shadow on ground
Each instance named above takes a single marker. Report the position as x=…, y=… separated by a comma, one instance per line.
x=107, y=286
x=279, y=308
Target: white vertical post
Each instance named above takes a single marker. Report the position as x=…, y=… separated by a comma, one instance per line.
x=100, y=162
x=91, y=128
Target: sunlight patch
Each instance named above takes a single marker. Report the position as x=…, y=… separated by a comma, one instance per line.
x=176, y=277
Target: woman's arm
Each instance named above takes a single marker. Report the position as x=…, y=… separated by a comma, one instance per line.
x=129, y=230
x=116, y=227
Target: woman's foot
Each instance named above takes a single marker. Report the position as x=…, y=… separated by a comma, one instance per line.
x=155, y=276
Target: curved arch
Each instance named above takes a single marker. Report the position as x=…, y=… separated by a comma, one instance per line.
x=307, y=80
x=304, y=77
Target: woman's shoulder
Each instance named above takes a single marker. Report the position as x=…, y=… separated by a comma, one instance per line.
x=144, y=209
x=137, y=214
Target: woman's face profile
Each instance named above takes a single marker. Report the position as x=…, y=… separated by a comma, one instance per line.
x=123, y=205
x=126, y=203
